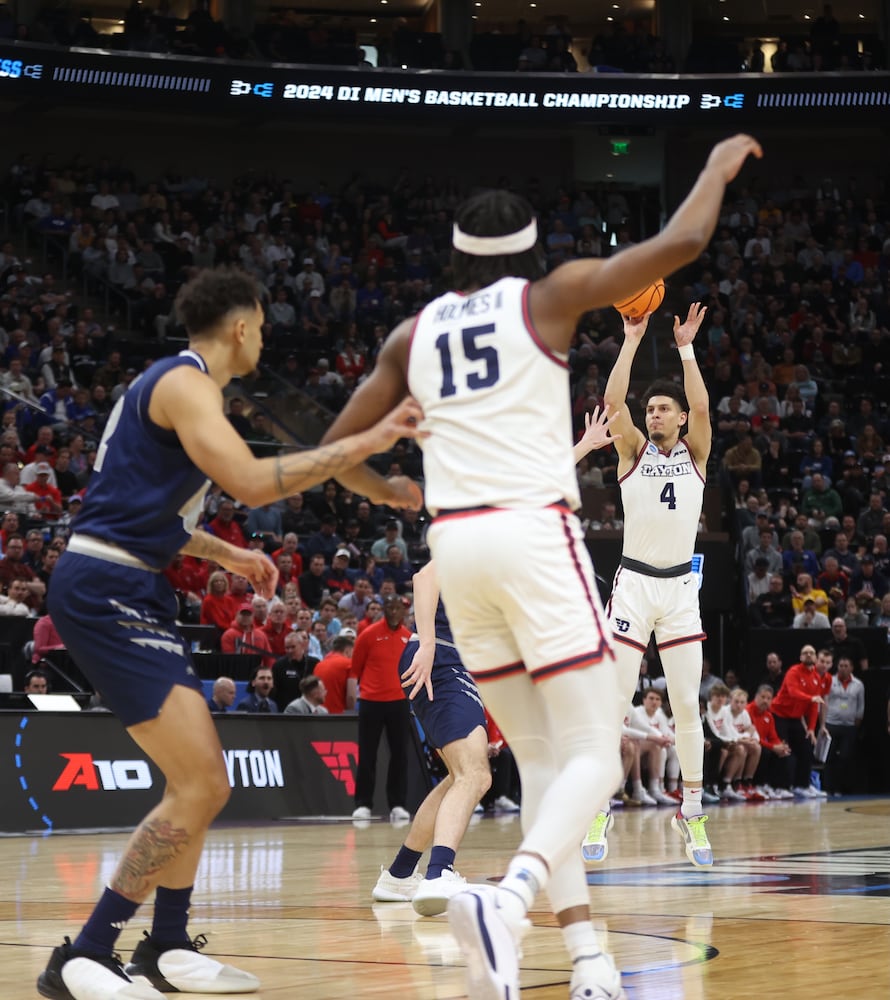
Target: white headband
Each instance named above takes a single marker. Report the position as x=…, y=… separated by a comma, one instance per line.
x=495, y=246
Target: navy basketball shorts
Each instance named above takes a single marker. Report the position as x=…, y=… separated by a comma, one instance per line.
x=119, y=625
x=456, y=709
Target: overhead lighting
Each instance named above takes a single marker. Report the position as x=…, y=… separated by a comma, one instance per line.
x=725, y=18
x=862, y=16
x=373, y=20
x=609, y=17
x=806, y=17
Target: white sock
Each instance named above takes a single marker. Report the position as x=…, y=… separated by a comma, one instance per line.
x=691, y=802
x=638, y=787
x=525, y=877
x=581, y=942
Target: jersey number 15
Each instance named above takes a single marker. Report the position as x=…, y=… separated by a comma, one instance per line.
x=487, y=355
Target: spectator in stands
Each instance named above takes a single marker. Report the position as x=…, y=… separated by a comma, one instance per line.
x=217, y=606
x=846, y=709
x=800, y=523
x=312, y=581
x=391, y=536
x=774, y=608
x=45, y=639
x=848, y=646
x=223, y=696
x=804, y=591
x=840, y=551
x=751, y=535
x=312, y=696
x=325, y=541
x=821, y=501
x=765, y=549
x=758, y=580
x=14, y=602
x=225, y=526
x=259, y=690
x=743, y=461
x=835, y=582
x=870, y=521
x=13, y=567
x=243, y=636
x=36, y=682
x=809, y=617
x=773, y=673
x=854, y=616
x=14, y=496
x=868, y=586
x=290, y=669
x=276, y=627
x=334, y=671
x=339, y=577
x=796, y=559
x=266, y=522
x=48, y=504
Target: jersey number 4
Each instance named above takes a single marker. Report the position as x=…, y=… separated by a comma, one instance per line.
x=485, y=354
x=668, y=497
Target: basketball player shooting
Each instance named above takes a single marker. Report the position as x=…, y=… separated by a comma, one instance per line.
x=662, y=475
x=488, y=365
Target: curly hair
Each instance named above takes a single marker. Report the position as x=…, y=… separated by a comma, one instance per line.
x=213, y=294
x=495, y=213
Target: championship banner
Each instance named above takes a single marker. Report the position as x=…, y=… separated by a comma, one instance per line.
x=97, y=78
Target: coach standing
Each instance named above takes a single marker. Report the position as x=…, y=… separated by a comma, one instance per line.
x=382, y=706
x=796, y=711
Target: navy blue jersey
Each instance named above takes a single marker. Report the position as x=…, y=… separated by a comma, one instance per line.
x=145, y=493
x=443, y=626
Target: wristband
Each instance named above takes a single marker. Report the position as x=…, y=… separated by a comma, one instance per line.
x=686, y=353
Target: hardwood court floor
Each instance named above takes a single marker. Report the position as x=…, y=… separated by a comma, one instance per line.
x=797, y=906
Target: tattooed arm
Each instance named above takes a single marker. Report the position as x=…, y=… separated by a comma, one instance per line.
x=189, y=403
x=256, y=566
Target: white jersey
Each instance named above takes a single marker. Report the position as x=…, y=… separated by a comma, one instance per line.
x=662, y=499
x=495, y=399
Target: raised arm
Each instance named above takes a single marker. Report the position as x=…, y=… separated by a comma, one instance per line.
x=698, y=428
x=558, y=300
x=615, y=396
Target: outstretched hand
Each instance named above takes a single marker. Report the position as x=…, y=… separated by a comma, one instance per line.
x=635, y=326
x=684, y=333
x=596, y=429
x=728, y=156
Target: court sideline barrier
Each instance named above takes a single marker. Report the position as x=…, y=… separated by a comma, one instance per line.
x=65, y=771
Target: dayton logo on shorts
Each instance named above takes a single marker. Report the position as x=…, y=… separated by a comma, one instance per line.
x=339, y=758
x=622, y=624
x=109, y=775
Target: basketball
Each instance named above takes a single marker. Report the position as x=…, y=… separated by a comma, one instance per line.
x=645, y=301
